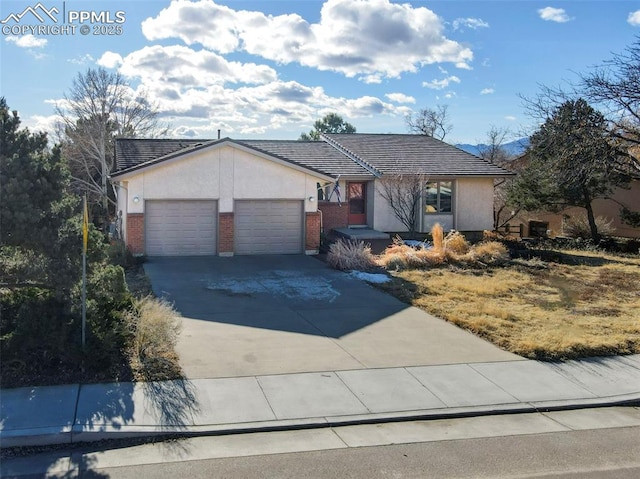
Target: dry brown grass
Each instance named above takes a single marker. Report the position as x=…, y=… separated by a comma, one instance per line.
x=455, y=242
x=155, y=326
x=351, y=255
x=437, y=236
x=452, y=249
x=556, y=312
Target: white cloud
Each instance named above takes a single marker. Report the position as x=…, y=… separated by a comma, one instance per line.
x=634, y=18
x=368, y=39
x=82, y=60
x=400, y=98
x=552, y=14
x=510, y=118
x=27, y=41
x=110, y=60
x=473, y=23
x=487, y=91
x=441, y=84
x=184, y=67
x=46, y=124
x=242, y=98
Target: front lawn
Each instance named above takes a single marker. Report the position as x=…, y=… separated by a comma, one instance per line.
x=537, y=309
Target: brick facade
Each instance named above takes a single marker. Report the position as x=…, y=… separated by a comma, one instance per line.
x=225, y=234
x=333, y=215
x=312, y=236
x=135, y=233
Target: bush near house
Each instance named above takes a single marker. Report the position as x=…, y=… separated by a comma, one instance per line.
x=351, y=255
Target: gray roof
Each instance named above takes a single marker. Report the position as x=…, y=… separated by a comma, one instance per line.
x=350, y=155
x=391, y=153
x=316, y=155
x=134, y=151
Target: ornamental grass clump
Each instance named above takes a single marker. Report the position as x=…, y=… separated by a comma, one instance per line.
x=349, y=255
x=437, y=236
x=456, y=243
x=155, y=327
x=452, y=249
x=488, y=252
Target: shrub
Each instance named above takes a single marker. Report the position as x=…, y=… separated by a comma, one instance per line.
x=456, y=243
x=155, y=327
x=120, y=255
x=488, y=252
x=350, y=254
x=36, y=335
x=400, y=256
x=437, y=236
x=108, y=299
x=577, y=226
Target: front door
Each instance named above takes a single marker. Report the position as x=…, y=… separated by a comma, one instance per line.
x=356, y=196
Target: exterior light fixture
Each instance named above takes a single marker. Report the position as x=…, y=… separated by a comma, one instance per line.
x=311, y=199
x=136, y=199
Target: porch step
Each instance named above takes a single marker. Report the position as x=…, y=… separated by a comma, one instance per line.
x=360, y=233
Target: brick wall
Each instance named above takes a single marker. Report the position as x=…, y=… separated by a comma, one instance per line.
x=135, y=233
x=225, y=233
x=312, y=240
x=333, y=215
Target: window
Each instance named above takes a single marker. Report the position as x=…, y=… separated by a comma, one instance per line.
x=438, y=197
x=320, y=190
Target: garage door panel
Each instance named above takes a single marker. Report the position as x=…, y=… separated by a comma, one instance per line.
x=268, y=227
x=185, y=227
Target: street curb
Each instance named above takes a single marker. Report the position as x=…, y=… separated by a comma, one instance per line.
x=79, y=434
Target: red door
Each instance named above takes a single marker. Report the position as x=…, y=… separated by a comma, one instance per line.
x=356, y=197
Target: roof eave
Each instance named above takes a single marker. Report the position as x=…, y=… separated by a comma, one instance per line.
x=137, y=169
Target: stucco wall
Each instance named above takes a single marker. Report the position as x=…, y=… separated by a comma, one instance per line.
x=223, y=173
x=474, y=204
x=383, y=217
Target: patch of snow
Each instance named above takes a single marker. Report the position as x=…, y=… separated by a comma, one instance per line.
x=418, y=244
x=291, y=284
x=376, y=278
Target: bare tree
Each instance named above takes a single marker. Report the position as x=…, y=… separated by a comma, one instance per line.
x=432, y=122
x=494, y=152
x=403, y=192
x=99, y=107
x=614, y=87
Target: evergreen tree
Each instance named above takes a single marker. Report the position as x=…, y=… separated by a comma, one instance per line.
x=331, y=123
x=572, y=162
x=33, y=184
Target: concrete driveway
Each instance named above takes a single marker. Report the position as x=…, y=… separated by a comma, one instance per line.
x=254, y=315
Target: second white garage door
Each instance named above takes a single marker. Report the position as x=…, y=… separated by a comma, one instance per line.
x=178, y=228
x=268, y=227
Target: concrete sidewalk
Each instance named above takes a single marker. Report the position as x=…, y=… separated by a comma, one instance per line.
x=77, y=413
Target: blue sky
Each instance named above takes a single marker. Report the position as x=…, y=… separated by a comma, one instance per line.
x=270, y=68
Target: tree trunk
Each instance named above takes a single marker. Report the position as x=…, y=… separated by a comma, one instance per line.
x=592, y=223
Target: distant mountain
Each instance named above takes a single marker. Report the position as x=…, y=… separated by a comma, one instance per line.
x=515, y=147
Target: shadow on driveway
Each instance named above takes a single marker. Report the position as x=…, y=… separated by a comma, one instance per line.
x=297, y=294
x=256, y=315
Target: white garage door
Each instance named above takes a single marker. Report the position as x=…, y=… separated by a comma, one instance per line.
x=268, y=227
x=180, y=228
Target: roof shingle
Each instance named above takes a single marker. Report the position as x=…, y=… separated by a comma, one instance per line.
x=351, y=155
x=393, y=153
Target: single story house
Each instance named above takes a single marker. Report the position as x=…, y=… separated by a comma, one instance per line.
x=226, y=196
